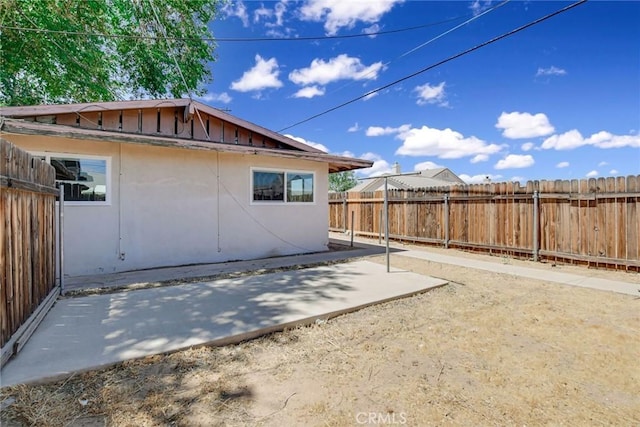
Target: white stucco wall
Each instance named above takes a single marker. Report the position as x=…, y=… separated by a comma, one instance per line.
x=168, y=208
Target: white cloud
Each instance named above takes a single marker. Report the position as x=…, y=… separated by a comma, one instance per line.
x=592, y=174
x=613, y=172
x=603, y=163
x=263, y=75
x=551, y=71
x=562, y=165
x=479, y=6
x=426, y=165
x=342, y=67
x=380, y=166
x=372, y=30
x=479, y=158
x=371, y=95
x=382, y=131
x=264, y=13
x=346, y=154
x=309, y=92
x=566, y=141
x=517, y=125
x=517, y=179
x=527, y=146
x=237, y=9
x=219, y=97
x=354, y=128
x=574, y=139
x=337, y=14
x=428, y=94
x=311, y=143
x=443, y=143
x=515, y=161
x=479, y=179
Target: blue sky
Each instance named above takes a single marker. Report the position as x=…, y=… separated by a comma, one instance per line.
x=559, y=100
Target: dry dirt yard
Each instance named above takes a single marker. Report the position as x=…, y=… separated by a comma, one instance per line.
x=488, y=349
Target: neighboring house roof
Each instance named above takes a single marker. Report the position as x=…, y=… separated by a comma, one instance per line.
x=64, y=120
x=427, y=178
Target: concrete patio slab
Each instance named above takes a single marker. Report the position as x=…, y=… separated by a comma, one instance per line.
x=92, y=331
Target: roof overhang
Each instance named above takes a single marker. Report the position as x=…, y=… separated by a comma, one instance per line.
x=21, y=127
x=191, y=109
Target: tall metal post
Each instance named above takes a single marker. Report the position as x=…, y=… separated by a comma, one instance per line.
x=536, y=202
x=446, y=221
x=344, y=211
x=353, y=213
x=61, y=238
x=386, y=222
x=380, y=228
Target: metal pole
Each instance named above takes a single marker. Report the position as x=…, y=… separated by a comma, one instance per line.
x=61, y=238
x=386, y=221
x=446, y=221
x=344, y=212
x=352, y=226
x=380, y=228
x=536, y=202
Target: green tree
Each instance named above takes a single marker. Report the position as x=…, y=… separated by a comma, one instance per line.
x=342, y=181
x=54, y=51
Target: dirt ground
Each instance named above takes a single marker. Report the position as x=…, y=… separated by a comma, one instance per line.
x=487, y=349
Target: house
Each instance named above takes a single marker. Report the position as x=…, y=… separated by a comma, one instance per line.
x=437, y=177
x=172, y=182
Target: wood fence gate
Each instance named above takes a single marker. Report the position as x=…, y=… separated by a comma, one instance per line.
x=27, y=245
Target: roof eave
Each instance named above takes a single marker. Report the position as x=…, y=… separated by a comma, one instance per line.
x=89, y=107
x=21, y=127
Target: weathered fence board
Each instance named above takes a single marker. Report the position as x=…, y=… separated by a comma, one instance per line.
x=594, y=221
x=27, y=238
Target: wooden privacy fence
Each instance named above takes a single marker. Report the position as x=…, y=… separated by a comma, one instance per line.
x=591, y=221
x=27, y=244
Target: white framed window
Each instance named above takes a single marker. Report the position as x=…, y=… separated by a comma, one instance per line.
x=282, y=186
x=86, y=179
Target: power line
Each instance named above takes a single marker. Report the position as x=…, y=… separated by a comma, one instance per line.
x=437, y=64
x=450, y=30
x=231, y=39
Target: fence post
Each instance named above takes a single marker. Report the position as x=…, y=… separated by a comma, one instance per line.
x=380, y=229
x=61, y=238
x=344, y=212
x=446, y=221
x=536, y=202
x=353, y=213
x=386, y=221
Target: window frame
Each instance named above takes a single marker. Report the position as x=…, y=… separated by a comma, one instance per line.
x=58, y=154
x=286, y=173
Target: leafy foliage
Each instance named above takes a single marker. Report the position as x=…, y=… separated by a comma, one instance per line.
x=342, y=181
x=121, y=51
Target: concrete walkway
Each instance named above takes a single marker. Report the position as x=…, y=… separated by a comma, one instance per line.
x=87, y=332
x=497, y=267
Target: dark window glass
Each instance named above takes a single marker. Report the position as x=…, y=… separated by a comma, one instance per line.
x=268, y=186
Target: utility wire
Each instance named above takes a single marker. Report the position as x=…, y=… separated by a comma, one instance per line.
x=231, y=39
x=386, y=64
x=454, y=28
x=437, y=64
x=175, y=61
